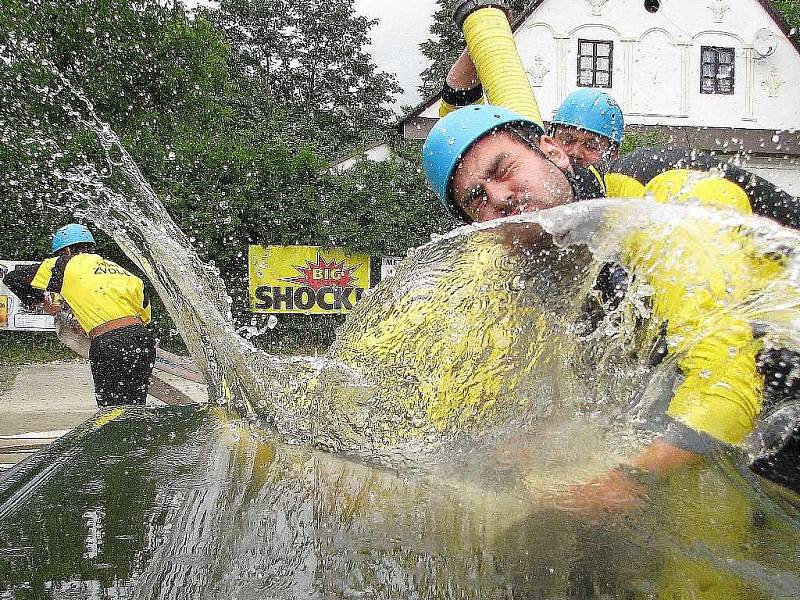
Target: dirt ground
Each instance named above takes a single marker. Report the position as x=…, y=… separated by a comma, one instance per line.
x=40, y=402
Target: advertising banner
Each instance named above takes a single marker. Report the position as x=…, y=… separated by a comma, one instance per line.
x=389, y=266
x=306, y=279
x=13, y=315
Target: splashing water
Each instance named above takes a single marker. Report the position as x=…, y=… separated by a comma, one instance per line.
x=489, y=359
x=486, y=330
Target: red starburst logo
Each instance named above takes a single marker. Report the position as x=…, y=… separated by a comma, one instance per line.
x=324, y=274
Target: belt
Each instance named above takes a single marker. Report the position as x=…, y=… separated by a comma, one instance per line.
x=114, y=324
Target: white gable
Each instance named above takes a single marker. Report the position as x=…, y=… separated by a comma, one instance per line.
x=375, y=153
x=656, y=73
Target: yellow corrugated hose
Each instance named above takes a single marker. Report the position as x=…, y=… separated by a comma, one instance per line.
x=494, y=52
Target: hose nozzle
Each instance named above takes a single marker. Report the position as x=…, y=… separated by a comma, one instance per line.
x=493, y=50
x=466, y=7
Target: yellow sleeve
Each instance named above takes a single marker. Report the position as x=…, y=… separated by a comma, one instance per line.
x=42, y=278
x=145, y=311
x=147, y=315
x=619, y=185
x=707, y=188
x=699, y=280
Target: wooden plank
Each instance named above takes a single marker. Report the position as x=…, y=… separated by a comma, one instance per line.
x=168, y=362
x=167, y=393
x=23, y=448
x=9, y=460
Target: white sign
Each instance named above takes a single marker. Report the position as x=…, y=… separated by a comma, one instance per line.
x=389, y=266
x=13, y=315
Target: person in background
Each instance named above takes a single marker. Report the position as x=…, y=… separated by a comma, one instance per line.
x=108, y=303
x=589, y=125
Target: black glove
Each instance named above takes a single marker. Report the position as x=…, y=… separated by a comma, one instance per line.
x=19, y=282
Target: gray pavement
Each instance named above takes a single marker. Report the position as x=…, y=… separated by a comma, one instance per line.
x=47, y=400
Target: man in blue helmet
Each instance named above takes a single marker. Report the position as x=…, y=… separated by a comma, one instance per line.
x=486, y=162
x=496, y=143
x=589, y=127
x=108, y=303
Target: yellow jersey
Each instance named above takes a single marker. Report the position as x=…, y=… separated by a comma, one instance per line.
x=97, y=290
x=721, y=390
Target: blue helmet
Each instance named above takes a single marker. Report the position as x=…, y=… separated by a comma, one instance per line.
x=592, y=110
x=74, y=233
x=453, y=135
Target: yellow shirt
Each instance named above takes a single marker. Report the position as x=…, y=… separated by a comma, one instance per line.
x=442, y=353
x=453, y=372
x=700, y=281
x=97, y=290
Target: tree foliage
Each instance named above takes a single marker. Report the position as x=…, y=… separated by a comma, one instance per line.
x=790, y=10
x=310, y=57
x=233, y=115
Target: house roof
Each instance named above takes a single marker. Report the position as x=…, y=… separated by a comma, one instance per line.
x=726, y=140
x=525, y=14
x=358, y=152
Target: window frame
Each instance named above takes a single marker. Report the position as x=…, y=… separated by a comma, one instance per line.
x=595, y=57
x=718, y=50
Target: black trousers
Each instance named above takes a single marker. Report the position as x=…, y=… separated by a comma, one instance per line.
x=122, y=362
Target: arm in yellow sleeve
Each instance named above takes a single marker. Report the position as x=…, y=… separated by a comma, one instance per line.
x=700, y=279
x=462, y=86
x=445, y=108
x=721, y=391
x=43, y=275
x=453, y=99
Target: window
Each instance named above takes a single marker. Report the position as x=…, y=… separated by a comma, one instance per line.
x=595, y=61
x=718, y=69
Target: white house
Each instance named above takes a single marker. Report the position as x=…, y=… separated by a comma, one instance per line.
x=717, y=75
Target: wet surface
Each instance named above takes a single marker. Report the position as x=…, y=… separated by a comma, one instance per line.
x=183, y=503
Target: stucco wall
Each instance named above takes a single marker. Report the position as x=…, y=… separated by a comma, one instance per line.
x=657, y=64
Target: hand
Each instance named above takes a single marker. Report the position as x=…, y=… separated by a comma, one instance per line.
x=51, y=306
x=612, y=492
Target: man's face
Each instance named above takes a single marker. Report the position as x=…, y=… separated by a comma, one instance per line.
x=500, y=175
x=585, y=147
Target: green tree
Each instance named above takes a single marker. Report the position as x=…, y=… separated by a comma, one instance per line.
x=155, y=75
x=310, y=57
x=150, y=72
x=230, y=132
x=790, y=10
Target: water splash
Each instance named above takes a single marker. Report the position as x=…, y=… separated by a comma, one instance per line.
x=488, y=330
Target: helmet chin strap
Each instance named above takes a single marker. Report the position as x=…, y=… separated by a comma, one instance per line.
x=585, y=182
